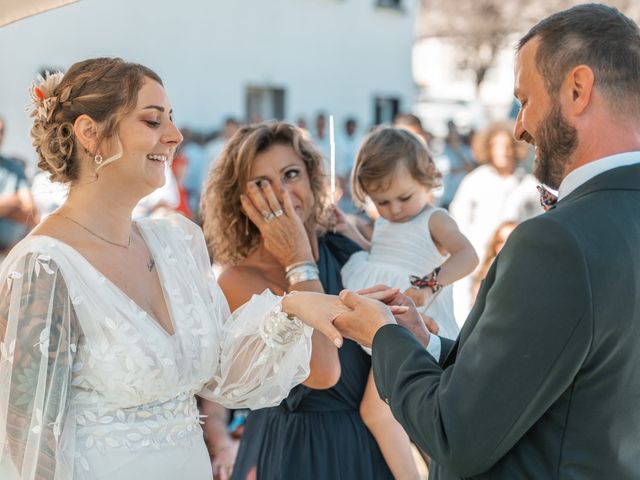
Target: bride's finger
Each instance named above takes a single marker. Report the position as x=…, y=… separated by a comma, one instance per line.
x=331, y=333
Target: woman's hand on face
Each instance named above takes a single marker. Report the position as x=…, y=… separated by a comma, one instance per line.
x=316, y=310
x=282, y=231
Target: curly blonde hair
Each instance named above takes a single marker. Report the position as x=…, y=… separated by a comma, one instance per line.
x=230, y=235
x=105, y=89
x=380, y=154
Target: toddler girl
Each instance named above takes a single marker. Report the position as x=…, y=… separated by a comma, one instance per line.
x=415, y=247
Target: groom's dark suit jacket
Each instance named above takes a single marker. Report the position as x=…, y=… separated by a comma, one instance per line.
x=544, y=379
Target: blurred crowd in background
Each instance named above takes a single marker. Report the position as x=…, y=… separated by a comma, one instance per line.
x=486, y=183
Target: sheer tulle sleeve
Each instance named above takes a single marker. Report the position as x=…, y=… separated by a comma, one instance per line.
x=263, y=354
x=38, y=338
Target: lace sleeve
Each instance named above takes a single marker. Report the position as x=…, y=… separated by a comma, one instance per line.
x=38, y=338
x=262, y=354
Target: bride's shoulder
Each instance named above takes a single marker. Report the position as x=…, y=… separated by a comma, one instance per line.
x=35, y=245
x=36, y=257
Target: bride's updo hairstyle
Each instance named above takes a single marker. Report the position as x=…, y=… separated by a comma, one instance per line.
x=105, y=89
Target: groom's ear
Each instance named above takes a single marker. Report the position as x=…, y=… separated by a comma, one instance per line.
x=577, y=89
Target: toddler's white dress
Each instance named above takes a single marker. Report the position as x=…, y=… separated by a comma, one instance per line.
x=399, y=250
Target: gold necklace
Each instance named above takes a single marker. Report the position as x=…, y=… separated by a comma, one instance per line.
x=94, y=233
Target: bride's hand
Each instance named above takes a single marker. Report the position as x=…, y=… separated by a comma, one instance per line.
x=316, y=310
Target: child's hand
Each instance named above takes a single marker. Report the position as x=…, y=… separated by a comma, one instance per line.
x=420, y=296
x=338, y=223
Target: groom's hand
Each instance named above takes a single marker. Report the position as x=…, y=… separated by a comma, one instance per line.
x=364, y=319
x=408, y=317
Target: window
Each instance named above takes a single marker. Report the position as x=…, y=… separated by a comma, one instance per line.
x=264, y=103
x=386, y=109
x=397, y=4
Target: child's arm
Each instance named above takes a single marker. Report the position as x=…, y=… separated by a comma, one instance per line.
x=447, y=236
x=462, y=256
x=389, y=434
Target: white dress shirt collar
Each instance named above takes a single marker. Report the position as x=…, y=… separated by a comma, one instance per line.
x=587, y=172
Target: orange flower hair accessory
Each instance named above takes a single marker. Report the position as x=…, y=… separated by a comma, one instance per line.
x=43, y=102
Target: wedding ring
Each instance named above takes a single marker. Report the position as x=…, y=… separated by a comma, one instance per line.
x=278, y=213
x=268, y=216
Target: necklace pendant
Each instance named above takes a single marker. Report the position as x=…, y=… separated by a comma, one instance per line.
x=150, y=264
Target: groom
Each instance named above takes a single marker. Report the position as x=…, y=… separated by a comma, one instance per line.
x=544, y=379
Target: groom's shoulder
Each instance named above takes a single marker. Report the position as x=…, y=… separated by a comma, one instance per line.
x=543, y=227
x=547, y=236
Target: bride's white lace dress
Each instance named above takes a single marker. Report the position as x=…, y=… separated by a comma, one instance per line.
x=91, y=387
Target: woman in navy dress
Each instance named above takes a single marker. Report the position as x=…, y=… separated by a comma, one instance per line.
x=263, y=210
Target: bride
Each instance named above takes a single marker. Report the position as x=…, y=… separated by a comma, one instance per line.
x=109, y=328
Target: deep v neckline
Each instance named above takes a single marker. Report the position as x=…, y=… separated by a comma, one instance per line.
x=150, y=318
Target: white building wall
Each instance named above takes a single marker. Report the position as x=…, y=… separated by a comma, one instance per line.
x=448, y=81
x=329, y=55
x=444, y=86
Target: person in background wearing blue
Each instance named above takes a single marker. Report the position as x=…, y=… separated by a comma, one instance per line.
x=16, y=203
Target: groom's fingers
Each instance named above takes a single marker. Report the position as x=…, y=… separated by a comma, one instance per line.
x=365, y=319
x=430, y=323
x=350, y=299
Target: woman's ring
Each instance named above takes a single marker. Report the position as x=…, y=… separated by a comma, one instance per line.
x=278, y=213
x=268, y=216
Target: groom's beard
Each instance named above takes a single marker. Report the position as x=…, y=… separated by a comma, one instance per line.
x=556, y=141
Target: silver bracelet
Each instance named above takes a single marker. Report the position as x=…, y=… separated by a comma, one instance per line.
x=305, y=263
x=302, y=273
x=280, y=329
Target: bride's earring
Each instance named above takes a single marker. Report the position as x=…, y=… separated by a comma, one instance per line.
x=98, y=159
x=246, y=226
